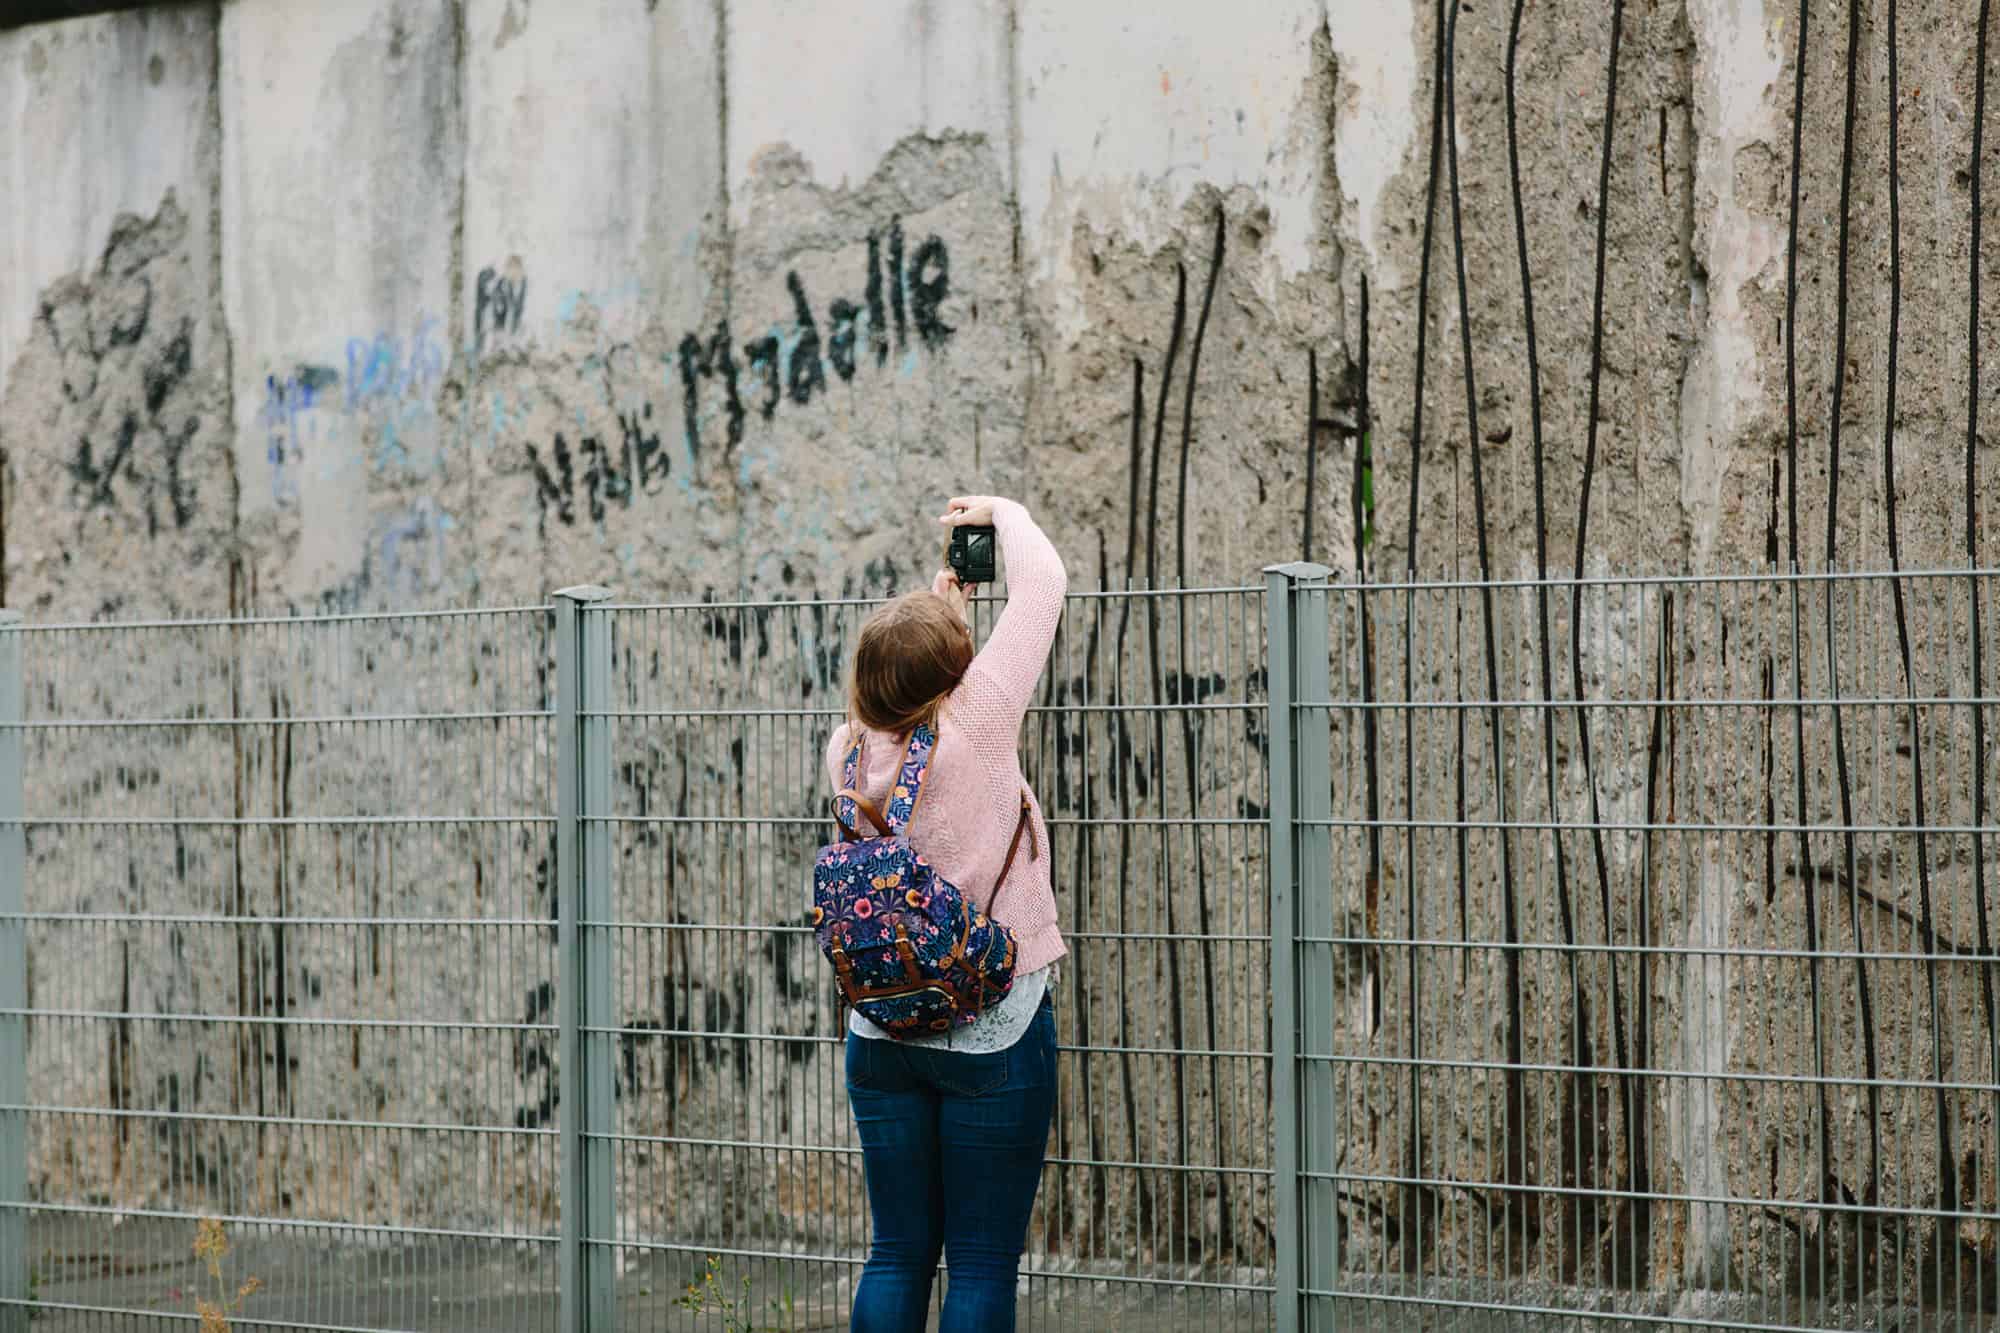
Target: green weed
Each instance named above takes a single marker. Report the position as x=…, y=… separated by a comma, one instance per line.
x=709, y=1294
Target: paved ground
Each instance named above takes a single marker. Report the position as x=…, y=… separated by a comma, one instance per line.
x=146, y=1271
x=141, y=1275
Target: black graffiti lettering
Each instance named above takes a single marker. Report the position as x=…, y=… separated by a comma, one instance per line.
x=90, y=478
x=498, y=301
x=97, y=475
x=603, y=478
x=180, y=493
x=165, y=374
x=930, y=284
x=898, y=291
x=896, y=280
x=559, y=489
x=647, y=460
x=534, y=1064
x=806, y=373
x=878, y=319
x=482, y=307
x=697, y=361
x=840, y=344
x=763, y=354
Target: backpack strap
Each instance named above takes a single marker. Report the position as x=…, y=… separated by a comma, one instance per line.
x=1024, y=825
x=852, y=801
x=849, y=804
x=909, y=788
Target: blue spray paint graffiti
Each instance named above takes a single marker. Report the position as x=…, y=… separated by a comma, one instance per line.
x=412, y=549
x=290, y=423
x=388, y=367
x=390, y=386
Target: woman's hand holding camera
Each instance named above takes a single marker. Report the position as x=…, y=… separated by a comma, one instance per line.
x=965, y=511
x=954, y=593
x=969, y=511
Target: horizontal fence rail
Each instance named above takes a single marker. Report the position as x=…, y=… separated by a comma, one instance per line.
x=1598, y=952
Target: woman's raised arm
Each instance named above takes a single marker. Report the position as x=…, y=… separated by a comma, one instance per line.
x=1001, y=682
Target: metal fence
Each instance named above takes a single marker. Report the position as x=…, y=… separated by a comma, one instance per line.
x=730, y=1134
x=1674, y=1007
x=288, y=925
x=453, y=962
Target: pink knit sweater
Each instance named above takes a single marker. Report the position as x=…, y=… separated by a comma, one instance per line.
x=972, y=791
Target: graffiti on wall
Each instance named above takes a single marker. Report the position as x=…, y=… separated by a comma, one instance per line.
x=606, y=474
x=392, y=381
x=499, y=298
x=902, y=296
x=291, y=426
x=725, y=380
x=384, y=387
x=108, y=468
x=126, y=410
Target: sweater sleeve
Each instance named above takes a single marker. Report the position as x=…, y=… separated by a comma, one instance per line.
x=1001, y=680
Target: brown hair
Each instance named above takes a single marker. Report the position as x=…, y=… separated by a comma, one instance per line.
x=911, y=654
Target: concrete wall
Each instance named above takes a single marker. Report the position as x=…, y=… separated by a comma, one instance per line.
x=387, y=303
x=412, y=246
x=447, y=262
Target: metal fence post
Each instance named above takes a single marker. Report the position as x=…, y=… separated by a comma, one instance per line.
x=1285, y=665
x=586, y=1011
x=1312, y=809
x=1278, y=657
x=13, y=992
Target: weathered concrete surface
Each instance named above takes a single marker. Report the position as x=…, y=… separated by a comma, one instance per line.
x=397, y=303
x=114, y=388
x=562, y=190
x=339, y=279
x=1123, y=117
x=844, y=83
x=103, y=116
x=718, y=147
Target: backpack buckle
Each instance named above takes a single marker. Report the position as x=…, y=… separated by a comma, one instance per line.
x=908, y=953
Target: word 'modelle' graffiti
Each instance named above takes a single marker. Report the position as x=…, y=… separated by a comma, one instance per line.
x=900, y=296
x=902, y=301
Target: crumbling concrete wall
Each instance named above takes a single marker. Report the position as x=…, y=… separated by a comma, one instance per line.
x=393, y=303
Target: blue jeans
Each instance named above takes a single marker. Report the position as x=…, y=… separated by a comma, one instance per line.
x=952, y=1145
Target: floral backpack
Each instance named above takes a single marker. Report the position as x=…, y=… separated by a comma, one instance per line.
x=911, y=954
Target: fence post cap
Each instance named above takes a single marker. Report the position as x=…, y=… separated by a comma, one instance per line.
x=585, y=592
x=1299, y=570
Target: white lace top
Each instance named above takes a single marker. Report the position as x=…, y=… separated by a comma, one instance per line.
x=995, y=1030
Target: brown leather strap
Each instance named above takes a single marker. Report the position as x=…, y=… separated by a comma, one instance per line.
x=1025, y=825
x=908, y=953
x=866, y=806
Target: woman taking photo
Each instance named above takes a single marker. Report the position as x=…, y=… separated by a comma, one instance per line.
x=954, y=1125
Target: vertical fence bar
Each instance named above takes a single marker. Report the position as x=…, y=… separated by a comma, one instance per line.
x=1279, y=655
x=1295, y=662
x=1312, y=806
x=13, y=993
x=597, y=983
x=585, y=1008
